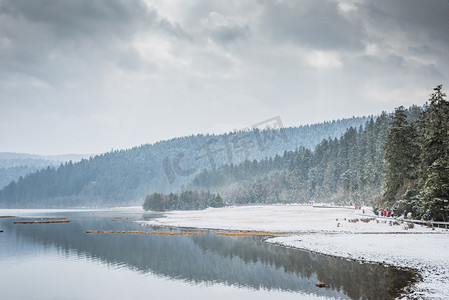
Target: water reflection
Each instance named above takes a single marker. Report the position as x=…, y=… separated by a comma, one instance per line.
x=237, y=261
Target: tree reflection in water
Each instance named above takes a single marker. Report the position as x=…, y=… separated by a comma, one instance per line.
x=241, y=261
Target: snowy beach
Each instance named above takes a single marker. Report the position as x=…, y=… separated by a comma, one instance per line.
x=336, y=231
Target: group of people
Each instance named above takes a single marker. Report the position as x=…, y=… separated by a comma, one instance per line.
x=405, y=214
x=385, y=213
x=389, y=213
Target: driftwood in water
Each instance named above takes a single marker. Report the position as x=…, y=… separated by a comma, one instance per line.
x=44, y=221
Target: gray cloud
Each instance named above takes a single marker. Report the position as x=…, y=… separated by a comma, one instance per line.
x=56, y=41
x=85, y=76
x=420, y=27
x=226, y=34
x=312, y=23
x=412, y=17
x=79, y=19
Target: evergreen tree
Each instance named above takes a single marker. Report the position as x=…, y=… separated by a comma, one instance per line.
x=436, y=135
x=435, y=193
x=400, y=157
x=435, y=156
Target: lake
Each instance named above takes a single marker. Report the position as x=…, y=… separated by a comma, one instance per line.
x=62, y=261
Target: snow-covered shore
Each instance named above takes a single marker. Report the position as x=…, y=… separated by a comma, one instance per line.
x=337, y=232
x=426, y=253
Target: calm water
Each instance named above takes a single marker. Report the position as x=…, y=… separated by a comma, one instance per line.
x=61, y=261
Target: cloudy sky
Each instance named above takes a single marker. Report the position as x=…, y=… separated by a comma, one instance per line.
x=86, y=76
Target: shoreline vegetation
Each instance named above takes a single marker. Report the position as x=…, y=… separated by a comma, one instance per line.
x=186, y=200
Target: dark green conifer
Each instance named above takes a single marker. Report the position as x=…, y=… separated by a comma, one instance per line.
x=400, y=157
x=435, y=157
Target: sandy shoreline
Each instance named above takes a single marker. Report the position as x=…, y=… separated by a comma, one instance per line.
x=336, y=232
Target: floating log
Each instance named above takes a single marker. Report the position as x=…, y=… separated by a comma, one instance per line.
x=1, y=217
x=252, y=233
x=1, y=231
x=145, y=232
x=44, y=221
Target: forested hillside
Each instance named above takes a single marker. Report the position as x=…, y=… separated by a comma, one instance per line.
x=345, y=169
x=348, y=169
x=127, y=176
x=397, y=162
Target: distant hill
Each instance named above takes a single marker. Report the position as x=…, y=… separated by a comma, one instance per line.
x=14, y=165
x=127, y=176
x=12, y=159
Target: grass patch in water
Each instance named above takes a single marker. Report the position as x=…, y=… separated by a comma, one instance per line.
x=253, y=233
x=44, y=221
x=145, y=232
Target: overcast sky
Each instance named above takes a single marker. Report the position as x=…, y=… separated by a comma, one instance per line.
x=86, y=76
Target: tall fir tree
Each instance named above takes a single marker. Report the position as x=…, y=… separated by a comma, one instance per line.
x=435, y=156
x=435, y=141
x=400, y=157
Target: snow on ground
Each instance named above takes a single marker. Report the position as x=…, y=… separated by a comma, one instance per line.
x=427, y=253
x=420, y=248
x=279, y=218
